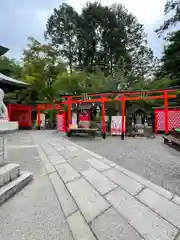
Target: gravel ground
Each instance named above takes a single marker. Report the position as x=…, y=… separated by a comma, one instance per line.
x=149, y=158
x=34, y=213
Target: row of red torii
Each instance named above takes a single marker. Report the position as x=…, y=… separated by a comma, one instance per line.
x=108, y=97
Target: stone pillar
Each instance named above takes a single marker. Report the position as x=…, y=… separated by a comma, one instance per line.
x=5, y=128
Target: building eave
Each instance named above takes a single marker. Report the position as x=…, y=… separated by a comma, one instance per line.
x=11, y=81
x=3, y=50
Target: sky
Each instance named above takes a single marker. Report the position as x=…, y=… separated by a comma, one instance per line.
x=23, y=18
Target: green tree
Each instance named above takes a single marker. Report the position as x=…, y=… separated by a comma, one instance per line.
x=10, y=67
x=172, y=8
x=140, y=57
x=98, y=37
x=81, y=82
x=61, y=29
x=41, y=68
x=171, y=58
x=106, y=37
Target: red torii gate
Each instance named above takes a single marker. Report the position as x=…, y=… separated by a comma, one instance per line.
x=108, y=97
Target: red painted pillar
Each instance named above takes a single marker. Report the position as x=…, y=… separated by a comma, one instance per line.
x=123, y=118
x=166, y=128
x=155, y=121
x=64, y=121
x=38, y=116
x=9, y=111
x=29, y=117
x=68, y=113
x=102, y=116
x=103, y=128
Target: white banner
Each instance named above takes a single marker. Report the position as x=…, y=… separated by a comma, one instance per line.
x=74, y=120
x=116, y=125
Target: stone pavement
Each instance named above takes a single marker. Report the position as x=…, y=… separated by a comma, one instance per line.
x=104, y=201
x=149, y=158
x=34, y=213
x=89, y=198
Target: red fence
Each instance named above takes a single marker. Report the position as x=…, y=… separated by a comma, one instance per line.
x=173, y=119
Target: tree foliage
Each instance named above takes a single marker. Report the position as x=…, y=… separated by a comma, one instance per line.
x=172, y=7
x=170, y=60
x=99, y=37
x=40, y=69
x=10, y=67
x=100, y=49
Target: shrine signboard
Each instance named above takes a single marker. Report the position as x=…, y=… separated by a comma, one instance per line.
x=61, y=122
x=116, y=125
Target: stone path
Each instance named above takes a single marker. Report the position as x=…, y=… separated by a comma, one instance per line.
x=79, y=195
x=149, y=158
x=104, y=201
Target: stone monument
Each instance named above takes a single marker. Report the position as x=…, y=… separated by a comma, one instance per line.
x=3, y=108
x=11, y=178
x=5, y=128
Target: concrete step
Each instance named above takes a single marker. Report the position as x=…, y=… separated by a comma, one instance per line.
x=8, y=173
x=12, y=187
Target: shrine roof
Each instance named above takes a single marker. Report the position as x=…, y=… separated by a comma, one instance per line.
x=3, y=50
x=11, y=81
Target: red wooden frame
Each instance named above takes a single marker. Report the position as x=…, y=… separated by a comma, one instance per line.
x=118, y=96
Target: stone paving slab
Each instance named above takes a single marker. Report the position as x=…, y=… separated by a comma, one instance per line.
x=111, y=225
x=124, y=181
x=109, y=163
x=89, y=201
x=176, y=199
x=178, y=237
x=66, y=172
x=47, y=164
x=89, y=152
x=79, y=227
x=148, y=184
x=58, y=147
x=96, y=163
x=79, y=164
x=67, y=154
x=72, y=148
x=100, y=182
x=167, y=209
x=55, y=160
x=149, y=224
x=67, y=203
